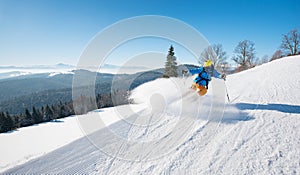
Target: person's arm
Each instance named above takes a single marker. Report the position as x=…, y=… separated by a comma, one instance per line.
x=196, y=71
x=216, y=74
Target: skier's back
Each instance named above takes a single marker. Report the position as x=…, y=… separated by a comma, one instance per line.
x=201, y=81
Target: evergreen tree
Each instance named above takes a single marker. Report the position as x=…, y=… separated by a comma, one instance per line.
x=43, y=112
x=62, y=111
x=55, y=111
x=171, y=64
x=48, y=114
x=9, y=122
x=6, y=122
x=36, y=116
x=27, y=114
x=2, y=122
x=28, y=118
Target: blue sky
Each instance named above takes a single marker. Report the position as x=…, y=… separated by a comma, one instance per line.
x=55, y=31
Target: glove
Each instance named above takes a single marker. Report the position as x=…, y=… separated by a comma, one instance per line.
x=223, y=77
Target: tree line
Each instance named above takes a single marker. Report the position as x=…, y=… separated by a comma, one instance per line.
x=48, y=113
x=244, y=55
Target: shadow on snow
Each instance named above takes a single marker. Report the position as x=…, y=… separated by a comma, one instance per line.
x=285, y=108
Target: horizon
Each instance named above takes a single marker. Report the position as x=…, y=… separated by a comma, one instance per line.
x=33, y=35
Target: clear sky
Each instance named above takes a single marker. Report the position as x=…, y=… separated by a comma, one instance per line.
x=34, y=32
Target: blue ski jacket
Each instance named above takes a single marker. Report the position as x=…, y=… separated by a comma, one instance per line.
x=204, y=77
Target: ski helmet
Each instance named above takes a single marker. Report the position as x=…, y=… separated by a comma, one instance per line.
x=207, y=63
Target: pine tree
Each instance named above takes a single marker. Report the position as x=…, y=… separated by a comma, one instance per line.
x=36, y=116
x=6, y=122
x=9, y=122
x=2, y=122
x=28, y=118
x=48, y=114
x=171, y=64
x=62, y=111
x=55, y=111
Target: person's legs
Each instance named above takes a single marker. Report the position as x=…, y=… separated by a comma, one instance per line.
x=201, y=90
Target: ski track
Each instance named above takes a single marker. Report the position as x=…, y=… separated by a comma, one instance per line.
x=261, y=140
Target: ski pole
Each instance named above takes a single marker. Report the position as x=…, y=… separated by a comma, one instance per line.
x=224, y=78
x=227, y=92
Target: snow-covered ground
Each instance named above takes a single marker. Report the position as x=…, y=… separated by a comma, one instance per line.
x=174, y=131
x=30, y=142
x=27, y=143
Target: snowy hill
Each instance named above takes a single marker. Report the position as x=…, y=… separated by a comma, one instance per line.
x=171, y=130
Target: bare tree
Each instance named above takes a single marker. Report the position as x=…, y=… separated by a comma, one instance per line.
x=263, y=60
x=225, y=68
x=276, y=55
x=216, y=54
x=244, y=55
x=291, y=42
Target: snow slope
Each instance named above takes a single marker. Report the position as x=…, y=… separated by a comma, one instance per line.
x=176, y=132
x=27, y=143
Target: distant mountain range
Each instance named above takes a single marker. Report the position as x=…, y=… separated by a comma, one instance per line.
x=57, y=66
x=38, y=89
x=68, y=66
x=15, y=71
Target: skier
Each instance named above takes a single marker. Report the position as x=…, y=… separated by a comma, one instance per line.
x=205, y=72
